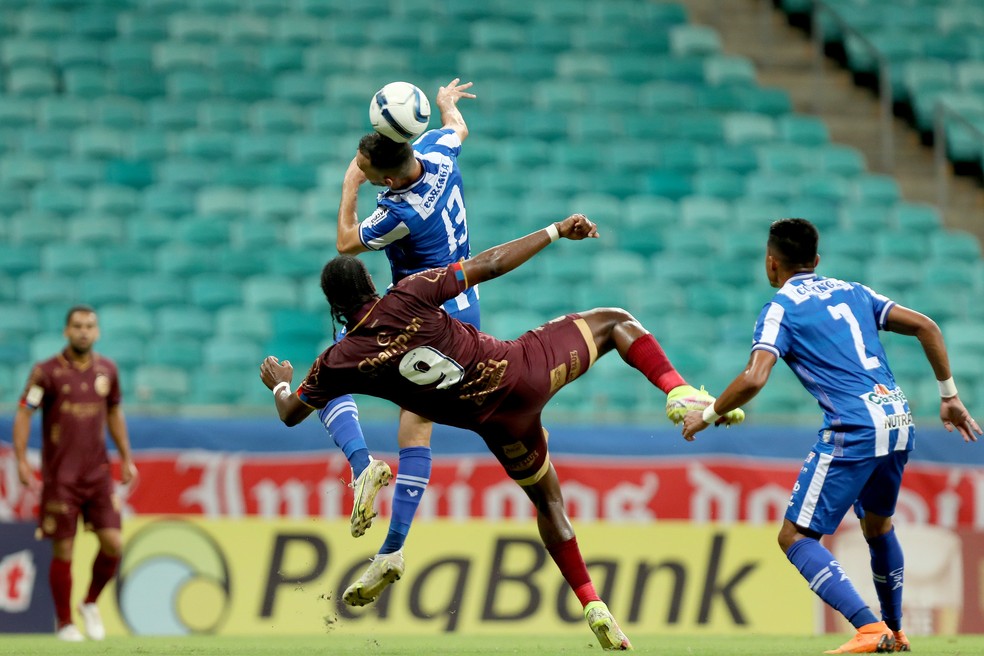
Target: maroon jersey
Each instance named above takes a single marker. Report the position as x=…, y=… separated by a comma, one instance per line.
x=406, y=349
x=74, y=399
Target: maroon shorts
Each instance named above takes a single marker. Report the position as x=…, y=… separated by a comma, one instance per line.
x=551, y=356
x=62, y=503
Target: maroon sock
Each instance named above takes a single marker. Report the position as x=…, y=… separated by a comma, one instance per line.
x=60, y=578
x=646, y=355
x=571, y=564
x=103, y=569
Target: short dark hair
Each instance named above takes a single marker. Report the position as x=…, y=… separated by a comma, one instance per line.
x=87, y=309
x=794, y=242
x=347, y=286
x=384, y=153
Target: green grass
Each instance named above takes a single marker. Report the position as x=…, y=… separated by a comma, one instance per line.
x=389, y=645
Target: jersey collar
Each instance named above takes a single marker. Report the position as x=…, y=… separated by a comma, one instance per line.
x=802, y=275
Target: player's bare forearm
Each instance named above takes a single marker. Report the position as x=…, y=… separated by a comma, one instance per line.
x=21, y=432
x=347, y=236
x=447, y=103
x=502, y=259
x=116, y=423
x=277, y=376
x=740, y=391
x=905, y=321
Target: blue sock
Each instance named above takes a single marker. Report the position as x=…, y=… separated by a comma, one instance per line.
x=341, y=419
x=411, y=483
x=826, y=578
x=887, y=563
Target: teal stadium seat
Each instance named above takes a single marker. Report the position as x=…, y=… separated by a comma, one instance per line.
x=79, y=172
x=248, y=323
x=161, y=384
x=56, y=112
x=956, y=245
x=246, y=29
x=67, y=259
x=36, y=228
x=31, y=82
x=87, y=82
x=185, y=321
x=174, y=351
x=194, y=28
x=95, y=229
x=152, y=290
x=41, y=289
x=22, y=170
x=125, y=260
x=147, y=230
x=132, y=320
x=99, y=288
x=113, y=199
x=119, y=112
x=180, y=259
x=21, y=52
x=270, y=292
x=16, y=112
x=212, y=291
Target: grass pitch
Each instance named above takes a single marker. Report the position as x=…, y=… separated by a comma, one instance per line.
x=470, y=645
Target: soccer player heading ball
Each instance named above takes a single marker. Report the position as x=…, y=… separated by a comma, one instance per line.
x=403, y=347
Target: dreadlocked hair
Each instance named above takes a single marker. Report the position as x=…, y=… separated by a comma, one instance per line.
x=347, y=287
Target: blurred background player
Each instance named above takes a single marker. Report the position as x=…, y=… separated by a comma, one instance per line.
x=420, y=223
x=827, y=332
x=78, y=392
x=402, y=347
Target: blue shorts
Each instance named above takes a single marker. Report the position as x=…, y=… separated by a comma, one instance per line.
x=827, y=487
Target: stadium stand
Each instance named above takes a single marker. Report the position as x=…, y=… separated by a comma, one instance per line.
x=178, y=165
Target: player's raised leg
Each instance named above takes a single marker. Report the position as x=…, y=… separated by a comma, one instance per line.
x=341, y=419
x=616, y=328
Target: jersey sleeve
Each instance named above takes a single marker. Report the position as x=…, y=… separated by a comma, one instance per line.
x=316, y=390
x=770, y=333
x=434, y=287
x=115, y=396
x=880, y=305
x=444, y=140
x=35, y=389
x=383, y=227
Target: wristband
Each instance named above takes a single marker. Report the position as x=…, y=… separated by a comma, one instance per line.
x=552, y=232
x=283, y=385
x=947, y=388
x=709, y=415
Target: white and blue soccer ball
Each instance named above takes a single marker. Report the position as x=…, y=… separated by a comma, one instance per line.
x=399, y=111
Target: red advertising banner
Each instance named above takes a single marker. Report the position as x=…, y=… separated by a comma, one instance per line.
x=702, y=488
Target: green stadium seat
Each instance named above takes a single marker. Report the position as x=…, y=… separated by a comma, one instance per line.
x=125, y=350
x=74, y=53
x=703, y=212
x=129, y=173
x=47, y=288
x=114, y=199
x=125, y=260
x=897, y=244
x=180, y=259
x=98, y=288
x=877, y=189
x=174, y=351
x=964, y=336
x=189, y=85
x=161, y=384
x=118, y=321
x=95, y=229
x=955, y=244
x=187, y=172
x=18, y=322
x=157, y=290
x=275, y=116
x=185, y=321
x=149, y=230
x=44, y=24
x=219, y=385
x=752, y=213
x=170, y=56
x=57, y=199
x=771, y=185
x=243, y=262
x=118, y=112
x=479, y=64
x=739, y=158
x=917, y=217
x=19, y=52
x=254, y=147
x=22, y=170
x=719, y=183
x=745, y=128
x=195, y=28
x=141, y=26
x=694, y=40
x=31, y=82
x=302, y=88
x=297, y=263
x=841, y=160
x=867, y=217
x=275, y=203
x=150, y=145
x=497, y=34
x=138, y=81
x=801, y=129
x=232, y=58
x=247, y=29
x=223, y=116
x=785, y=158
x=129, y=53
x=54, y=112
x=98, y=143
x=212, y=291
x=78, y=172
x=617, y=267
x=825, y=186
x=96, y=23
x=244, y=86
x=87, y=83
x=270, y=292
x=891, y=276
x=822, y=213
x=248, y=323
x=36, y=228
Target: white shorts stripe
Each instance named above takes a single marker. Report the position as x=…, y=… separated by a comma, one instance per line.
x=813, y=493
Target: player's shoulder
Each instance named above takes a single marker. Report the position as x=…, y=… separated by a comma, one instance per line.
x=439, y=137
x=104, y=362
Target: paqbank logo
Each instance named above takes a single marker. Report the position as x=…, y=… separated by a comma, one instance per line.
x=173, y=580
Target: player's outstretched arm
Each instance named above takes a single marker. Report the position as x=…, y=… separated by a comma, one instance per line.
x=277, y=376
x=953, y=414
x=741, y=390
x=501, y=259
x=447, y=103
x=347, y=237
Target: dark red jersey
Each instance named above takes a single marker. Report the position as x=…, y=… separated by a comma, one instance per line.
x=406, y=349
x=74, y=399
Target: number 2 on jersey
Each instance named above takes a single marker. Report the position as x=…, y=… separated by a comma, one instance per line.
x=453, y=215
x=843, y=311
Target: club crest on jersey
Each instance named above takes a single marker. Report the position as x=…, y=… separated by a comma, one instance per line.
x=102, y=385
x=881, y=395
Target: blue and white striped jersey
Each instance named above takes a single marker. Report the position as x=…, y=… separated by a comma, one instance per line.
x=424, y=226
x=827, y=332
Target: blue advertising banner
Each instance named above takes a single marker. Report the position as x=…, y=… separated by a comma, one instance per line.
x=25, y=597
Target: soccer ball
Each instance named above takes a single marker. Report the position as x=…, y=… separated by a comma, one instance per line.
x=399, y=111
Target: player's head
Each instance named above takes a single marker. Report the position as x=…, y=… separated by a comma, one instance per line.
x=81, y=328
x=347, y=287
x=385, y=162
x=792, y=247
